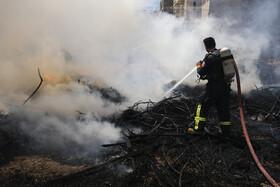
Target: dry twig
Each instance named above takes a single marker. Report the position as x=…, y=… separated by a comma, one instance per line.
x=36, y=88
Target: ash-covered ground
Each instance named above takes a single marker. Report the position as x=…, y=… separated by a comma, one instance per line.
x=155, y=149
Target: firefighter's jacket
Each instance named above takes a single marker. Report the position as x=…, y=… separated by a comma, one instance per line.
x=212, y=67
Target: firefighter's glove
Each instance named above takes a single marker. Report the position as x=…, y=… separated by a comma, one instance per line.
x=198, y=65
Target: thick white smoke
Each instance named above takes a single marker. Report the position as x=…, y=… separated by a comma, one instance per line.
x=115, y=44
x=67, y=135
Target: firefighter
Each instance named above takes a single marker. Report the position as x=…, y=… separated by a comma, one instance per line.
x=217, y=90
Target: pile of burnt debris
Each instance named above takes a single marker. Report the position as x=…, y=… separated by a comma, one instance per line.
x=157, y=151
x=107, y=93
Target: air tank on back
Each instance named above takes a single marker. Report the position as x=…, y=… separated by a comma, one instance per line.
x=227, y=63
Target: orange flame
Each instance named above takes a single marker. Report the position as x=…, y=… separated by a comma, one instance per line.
x=47, y=78
x=56, y=79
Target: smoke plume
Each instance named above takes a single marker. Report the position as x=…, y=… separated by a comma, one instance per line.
x=113, y=44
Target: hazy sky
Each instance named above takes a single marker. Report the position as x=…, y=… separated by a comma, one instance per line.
x=153, y=5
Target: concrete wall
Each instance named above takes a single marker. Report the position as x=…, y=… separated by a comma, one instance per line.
x=205, y=9
x=193, y=8
x=178, y=8
x=188, y=8
x=194, y=3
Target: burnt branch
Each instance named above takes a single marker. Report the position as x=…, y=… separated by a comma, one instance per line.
x=41, y=81
x=181, y=173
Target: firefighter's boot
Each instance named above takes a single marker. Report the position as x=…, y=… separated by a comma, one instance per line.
x=197, y=129
x=225, y=128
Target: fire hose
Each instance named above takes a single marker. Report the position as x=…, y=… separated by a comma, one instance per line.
x=269, y=178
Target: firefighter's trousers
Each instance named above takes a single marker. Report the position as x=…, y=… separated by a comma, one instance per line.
x=217, y=94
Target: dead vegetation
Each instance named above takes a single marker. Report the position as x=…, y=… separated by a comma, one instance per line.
x=162, y=154
x=157, y=151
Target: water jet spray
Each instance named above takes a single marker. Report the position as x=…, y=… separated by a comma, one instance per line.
x=178, y=83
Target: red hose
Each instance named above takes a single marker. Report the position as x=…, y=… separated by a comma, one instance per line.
x=269, y=178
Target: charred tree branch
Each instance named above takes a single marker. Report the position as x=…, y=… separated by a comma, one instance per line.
x=36, y=88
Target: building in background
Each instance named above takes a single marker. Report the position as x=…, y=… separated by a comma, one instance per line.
x=186, y=8
x=202, y=8
x=166, y=6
